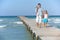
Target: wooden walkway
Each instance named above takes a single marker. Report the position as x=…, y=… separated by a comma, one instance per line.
x=49, y=33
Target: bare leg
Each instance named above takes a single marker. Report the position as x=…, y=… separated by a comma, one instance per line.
x=45, y=25
x=40, y=25
x=37, y=24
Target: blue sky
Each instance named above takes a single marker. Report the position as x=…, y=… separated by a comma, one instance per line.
x=27, y=7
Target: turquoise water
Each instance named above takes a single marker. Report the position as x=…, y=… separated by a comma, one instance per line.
x=11, y=28
x=53, y=21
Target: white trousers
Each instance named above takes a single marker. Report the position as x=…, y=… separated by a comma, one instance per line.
x=38, y=19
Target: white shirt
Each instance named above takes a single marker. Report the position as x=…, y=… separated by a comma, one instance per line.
x=40, y=11
x=45, y=16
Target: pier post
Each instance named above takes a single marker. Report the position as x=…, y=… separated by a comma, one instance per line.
x=33, y=35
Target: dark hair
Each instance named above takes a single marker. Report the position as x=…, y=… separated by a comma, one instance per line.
x=39, y=4
x=46, y=12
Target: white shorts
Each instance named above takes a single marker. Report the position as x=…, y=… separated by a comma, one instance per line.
x=38, y=19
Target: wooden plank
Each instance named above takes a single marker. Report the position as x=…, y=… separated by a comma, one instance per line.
x=49, y=33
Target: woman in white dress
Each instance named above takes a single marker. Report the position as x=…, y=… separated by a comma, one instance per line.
x=38, y=15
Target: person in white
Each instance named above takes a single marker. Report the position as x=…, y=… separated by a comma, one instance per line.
x=38, y=14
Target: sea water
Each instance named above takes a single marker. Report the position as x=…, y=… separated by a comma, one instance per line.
x=53, y=21
x=11, y=28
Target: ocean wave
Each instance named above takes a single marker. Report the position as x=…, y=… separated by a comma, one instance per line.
x=56, y=20
x=49, y=19
x=18, y=22
x=1, y=20
x=55, y=27
x=1, y=26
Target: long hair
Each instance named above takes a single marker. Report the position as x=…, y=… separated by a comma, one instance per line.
x=37, y=6
x=44, y=12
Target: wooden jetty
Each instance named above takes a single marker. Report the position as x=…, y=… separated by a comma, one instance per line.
x=49, y=33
